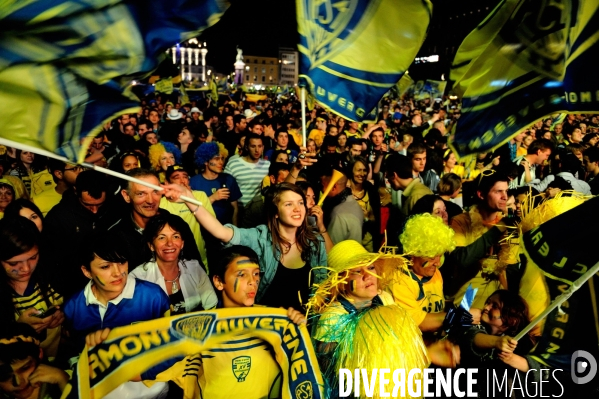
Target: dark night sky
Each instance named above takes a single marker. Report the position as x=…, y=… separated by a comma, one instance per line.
x=260, y=27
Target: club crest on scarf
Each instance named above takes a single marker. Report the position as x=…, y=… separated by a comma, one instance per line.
x=195, y=327
x=304, y=390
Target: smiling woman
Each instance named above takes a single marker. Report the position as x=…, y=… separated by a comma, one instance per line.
x=287, y=247
x=184, y=280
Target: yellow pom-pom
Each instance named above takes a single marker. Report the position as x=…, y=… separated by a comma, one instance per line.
x=427, y=236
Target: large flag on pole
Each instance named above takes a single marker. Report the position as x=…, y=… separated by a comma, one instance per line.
x=557, y=244
x=66, y=67
x=353, y=52
x=526, y=60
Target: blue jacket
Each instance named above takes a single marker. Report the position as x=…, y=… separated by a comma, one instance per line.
x=148, y=302
x=260, y=240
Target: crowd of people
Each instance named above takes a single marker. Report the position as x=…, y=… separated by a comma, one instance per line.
x=84, y=252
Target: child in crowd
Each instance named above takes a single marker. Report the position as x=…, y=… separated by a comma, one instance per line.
x=23, y=375
x=236, y=277
x=113, y=298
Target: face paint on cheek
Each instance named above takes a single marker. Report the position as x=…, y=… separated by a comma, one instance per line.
x=14, y=271
x=212, y=163
x=100, y=281
x=124, y=274
x=352, y=285
x=236, y=284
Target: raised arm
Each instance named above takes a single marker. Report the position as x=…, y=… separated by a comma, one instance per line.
x=173, y=192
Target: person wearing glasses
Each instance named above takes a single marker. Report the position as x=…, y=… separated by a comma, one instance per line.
x=64, y=176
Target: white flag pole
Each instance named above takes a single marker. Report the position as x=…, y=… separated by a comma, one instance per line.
x=26, y=147
x=303, y=101
x=559, y=300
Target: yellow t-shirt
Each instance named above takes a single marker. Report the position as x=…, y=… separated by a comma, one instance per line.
x=406, y=292
x=183, y=211
x=244, y=367
x=35, y=300
x=46, y=200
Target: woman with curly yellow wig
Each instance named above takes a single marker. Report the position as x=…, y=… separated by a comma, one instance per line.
x=425, y=239
x=162, y=155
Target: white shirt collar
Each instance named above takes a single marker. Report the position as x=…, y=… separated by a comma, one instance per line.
x=90, y=298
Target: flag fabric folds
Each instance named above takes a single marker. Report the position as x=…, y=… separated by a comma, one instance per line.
x=526, y=60
x=131, y=350
x=558, y=252
x=66, y=67
x=352, y=52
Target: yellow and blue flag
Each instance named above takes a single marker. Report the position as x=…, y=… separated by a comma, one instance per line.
x=557, y=253
x=525, y=61
x=66, y=66
x=353, y=52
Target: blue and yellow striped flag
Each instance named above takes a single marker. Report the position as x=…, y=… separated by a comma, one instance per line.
x=514, y=70
x=353, y=52
x=66, y=66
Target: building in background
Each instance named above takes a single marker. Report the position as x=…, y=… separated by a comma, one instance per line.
x=260, y=71
x=289, y=62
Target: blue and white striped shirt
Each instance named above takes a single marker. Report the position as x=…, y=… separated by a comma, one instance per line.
x=249, y=176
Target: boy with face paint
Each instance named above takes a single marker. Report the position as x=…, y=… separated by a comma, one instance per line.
x=113, y=299
x=22, y=374
x=245, y=366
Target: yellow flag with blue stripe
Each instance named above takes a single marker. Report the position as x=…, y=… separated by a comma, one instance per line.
x=66, y=66
x=525, y=61
x=353, y=51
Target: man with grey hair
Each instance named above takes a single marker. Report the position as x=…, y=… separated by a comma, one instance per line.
x=144, y=205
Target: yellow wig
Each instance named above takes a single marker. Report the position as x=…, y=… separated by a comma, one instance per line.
x=156, y=151
x=427, y=236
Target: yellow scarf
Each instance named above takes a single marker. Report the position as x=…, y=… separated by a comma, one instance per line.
x=130, y=350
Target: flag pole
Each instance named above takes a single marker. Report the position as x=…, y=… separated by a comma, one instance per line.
x=39, y=151
x=559, y=300
x=303, y=100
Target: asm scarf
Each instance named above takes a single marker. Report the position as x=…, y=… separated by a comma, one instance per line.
x=131, y=350
x=526, y=60
x=352, y=52
x=66, y=66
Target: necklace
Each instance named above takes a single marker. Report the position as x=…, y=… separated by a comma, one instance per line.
x=175, y=286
